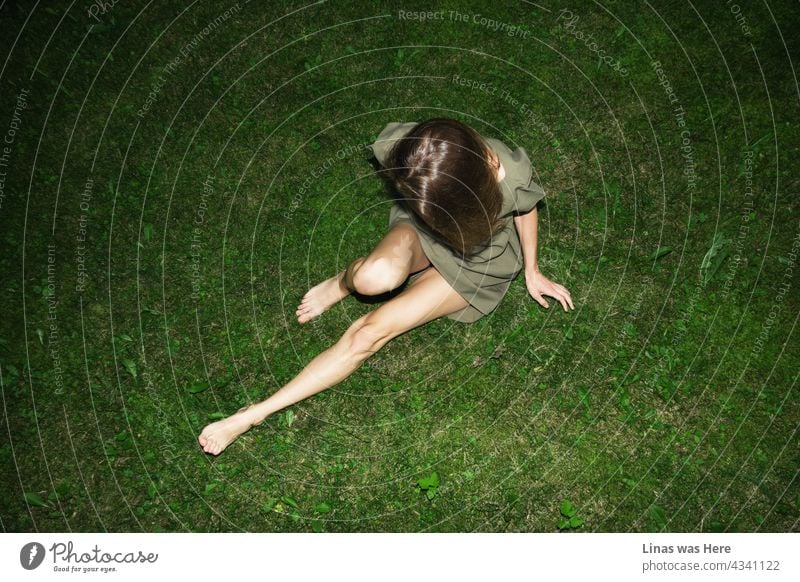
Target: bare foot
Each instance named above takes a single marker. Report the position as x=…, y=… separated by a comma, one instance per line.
x=218, y=435
x=320, y=297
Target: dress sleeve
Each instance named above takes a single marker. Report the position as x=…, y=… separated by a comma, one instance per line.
x=521, y=193
x=387, y=138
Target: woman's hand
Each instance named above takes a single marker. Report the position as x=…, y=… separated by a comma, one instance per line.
x=539, y=285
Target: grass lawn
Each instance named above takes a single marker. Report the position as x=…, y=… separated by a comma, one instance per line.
x=176, y=176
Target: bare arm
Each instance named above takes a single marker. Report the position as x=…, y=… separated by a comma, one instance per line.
x=527, y=226
x=528, y=229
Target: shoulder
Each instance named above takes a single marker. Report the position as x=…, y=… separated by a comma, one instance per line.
x=520, y=192
x=396, y=129
x=516, y=163
x=393, y=131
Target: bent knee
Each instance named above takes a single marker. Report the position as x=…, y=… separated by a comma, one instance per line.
x=378, y=276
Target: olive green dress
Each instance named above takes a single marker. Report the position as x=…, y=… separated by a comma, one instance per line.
x=483, y=278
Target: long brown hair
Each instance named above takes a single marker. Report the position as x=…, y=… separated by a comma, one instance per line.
x=443, y=172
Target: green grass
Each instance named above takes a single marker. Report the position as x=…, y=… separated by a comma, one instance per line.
x=665, y=402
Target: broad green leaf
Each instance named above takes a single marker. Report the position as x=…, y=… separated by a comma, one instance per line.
x=322, y=507
x=567, y=509
x=713, y=259
x=198, y=387
x=34, y=499
x=660, y=252
x=289, y=501
x=431, y=480
x=575, y=521
x=289, y=416
x=216, y=416
x=130, y=366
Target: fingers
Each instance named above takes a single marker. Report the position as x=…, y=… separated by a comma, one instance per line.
x=561, y=296
x=558, y=296
x=566, y=294
x=568, y=299
x=546, y=287
x=541, y=300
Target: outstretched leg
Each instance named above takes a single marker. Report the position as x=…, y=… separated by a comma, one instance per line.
x=425, y=299
x=396, y=256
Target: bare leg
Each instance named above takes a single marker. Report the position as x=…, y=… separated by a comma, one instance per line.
x=322, y=296
x=386, y=267
x=396, y=256
x=425, y=299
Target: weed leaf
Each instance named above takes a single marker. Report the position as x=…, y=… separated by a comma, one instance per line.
x=34, y=499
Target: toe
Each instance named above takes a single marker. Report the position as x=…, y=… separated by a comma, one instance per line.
x=202, y=440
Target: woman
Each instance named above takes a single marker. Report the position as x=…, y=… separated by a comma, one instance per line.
x=456, y=231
